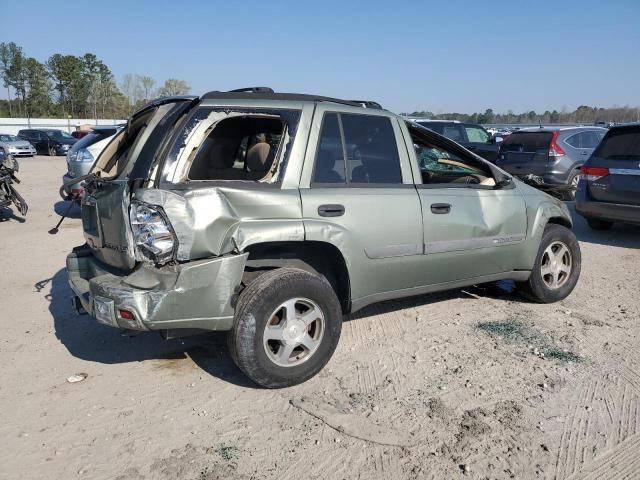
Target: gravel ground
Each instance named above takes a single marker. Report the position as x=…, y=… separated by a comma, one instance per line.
x=473, y=383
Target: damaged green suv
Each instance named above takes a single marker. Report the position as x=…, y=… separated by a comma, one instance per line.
x=270, y=216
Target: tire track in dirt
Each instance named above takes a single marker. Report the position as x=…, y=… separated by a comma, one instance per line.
x=603, y=414
x=621, y=462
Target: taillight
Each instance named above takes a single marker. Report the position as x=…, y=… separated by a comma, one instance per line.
x=593, y=173
x=554, y=149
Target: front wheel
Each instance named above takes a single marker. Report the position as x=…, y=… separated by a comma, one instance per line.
x=286, y=327
x=557, y=266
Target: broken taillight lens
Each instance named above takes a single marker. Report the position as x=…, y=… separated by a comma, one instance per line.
x=153, y=234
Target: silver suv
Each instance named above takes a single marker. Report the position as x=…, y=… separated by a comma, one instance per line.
x=271, y=215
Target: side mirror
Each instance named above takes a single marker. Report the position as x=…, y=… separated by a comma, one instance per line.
x=498, y=139
x=503, y=182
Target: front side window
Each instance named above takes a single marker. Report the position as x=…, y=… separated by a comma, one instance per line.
x=444, y=167
x=357, y=149
x=476, y=134
x=58, y=135
x=227, y=144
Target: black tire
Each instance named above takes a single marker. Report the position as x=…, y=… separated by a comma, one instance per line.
x=256, y=304
x=571, y=194
x=597, y=224
x=536, y=288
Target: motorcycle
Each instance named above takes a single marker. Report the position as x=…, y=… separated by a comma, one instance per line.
x=8, y=194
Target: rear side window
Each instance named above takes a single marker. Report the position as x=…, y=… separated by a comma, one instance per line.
x=233, y=144
x=620, y=145
x=574, y=140
x=357, y=149
x=453, y=132
x=590, y=139
x=526, y=142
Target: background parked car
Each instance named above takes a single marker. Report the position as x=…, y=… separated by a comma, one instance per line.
x=609, y=188
x=553, y=154
x=471, y=136
x=83, y=154
x=12, y=145
x=48, y=141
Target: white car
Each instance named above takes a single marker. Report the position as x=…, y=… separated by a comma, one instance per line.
x=12, y=145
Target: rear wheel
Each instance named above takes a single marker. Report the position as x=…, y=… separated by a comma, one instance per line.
x=574, y=178
x=556, y=269
x=597, y=224
x=286, y=327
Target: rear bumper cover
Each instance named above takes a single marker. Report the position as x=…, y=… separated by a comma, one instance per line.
x=612, y=212
x=196, y=294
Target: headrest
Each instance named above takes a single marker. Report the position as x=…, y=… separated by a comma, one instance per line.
x=259, y=157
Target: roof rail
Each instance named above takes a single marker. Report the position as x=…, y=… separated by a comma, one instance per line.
x=368, y=104
x=266, y=93
x=253, y=90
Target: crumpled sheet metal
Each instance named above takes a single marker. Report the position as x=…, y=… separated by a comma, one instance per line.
x=219, y=220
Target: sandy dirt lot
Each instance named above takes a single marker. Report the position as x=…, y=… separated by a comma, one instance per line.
x=473, y=383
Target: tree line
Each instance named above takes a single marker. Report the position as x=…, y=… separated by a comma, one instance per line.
x=583, y=114
x=76, y=86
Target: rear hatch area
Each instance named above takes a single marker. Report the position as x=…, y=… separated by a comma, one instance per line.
x=127, y=159
x=524, y=153
x=615, y=166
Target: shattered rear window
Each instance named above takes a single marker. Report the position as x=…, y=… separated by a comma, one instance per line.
x=224, y=144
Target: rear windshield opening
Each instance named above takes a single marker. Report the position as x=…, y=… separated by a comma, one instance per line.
x=529, y=142
x=620, y=145
x=227, y=145
x=238, y=148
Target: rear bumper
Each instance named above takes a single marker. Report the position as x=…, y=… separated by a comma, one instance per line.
x=196, y=294
x=612, y=212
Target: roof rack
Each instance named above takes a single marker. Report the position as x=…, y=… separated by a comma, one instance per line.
x=253, y=90
x=266, y=93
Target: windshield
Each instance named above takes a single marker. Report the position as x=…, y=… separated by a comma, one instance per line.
x=58, y=135
x=620, y=145
x=8, y=138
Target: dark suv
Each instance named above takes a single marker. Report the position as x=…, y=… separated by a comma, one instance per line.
x=553, y=154
x=48, y=141
x=609, y=190
x=471, y=136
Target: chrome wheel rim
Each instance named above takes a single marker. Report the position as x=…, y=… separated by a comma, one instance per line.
x=556, y=265
x=293, y=332
x=575, y=180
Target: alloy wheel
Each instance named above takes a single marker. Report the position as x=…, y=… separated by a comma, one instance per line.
x=293, y=332
x=556, y=265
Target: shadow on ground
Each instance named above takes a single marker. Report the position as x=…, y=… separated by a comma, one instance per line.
x=620, y=235
x=6, y=214
x=63, y=206
x=88, y=340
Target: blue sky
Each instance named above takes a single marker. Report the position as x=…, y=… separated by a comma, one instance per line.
x=441, y=56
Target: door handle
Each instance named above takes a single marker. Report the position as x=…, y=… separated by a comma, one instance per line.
x=440, y=208
x=331, y=210
x=584, y=153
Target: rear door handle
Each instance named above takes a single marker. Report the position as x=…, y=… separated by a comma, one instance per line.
x=331, y=210
x=440, y=208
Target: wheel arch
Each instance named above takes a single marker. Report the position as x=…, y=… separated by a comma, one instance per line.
x=313, y=256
